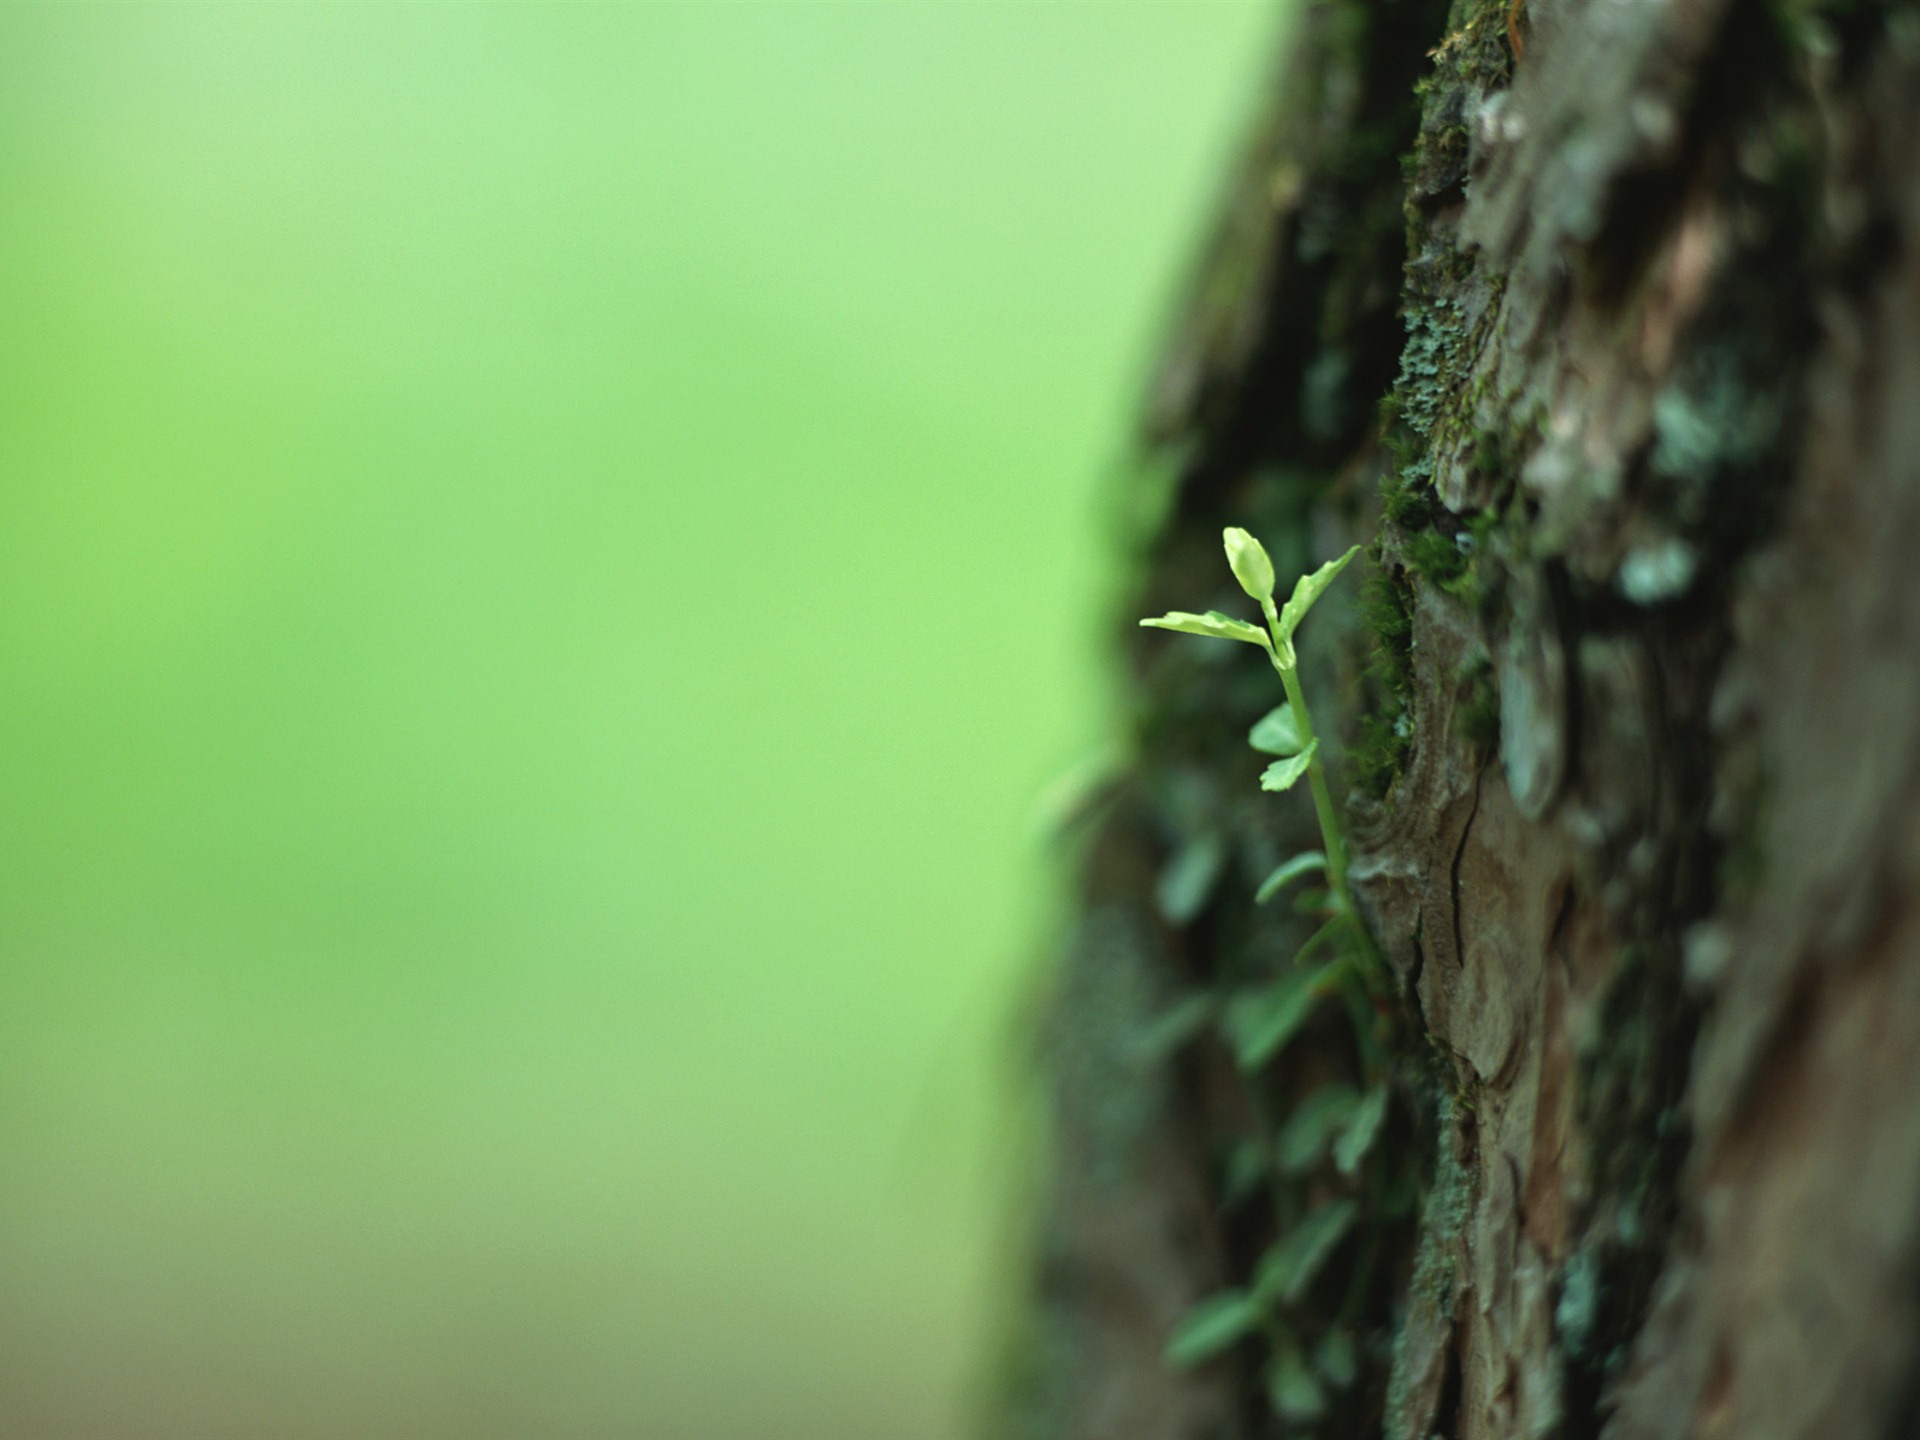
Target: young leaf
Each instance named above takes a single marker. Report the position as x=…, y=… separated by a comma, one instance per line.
x=1259, y=1022
x=1187, y=879
x=1320, y=937
x=1296, y=867
x=1309, y=589
x=1313, y=1122
x=1250, y=563
x=1297, y=1257
x=1212, y=624
x=1276, y=734
x=1361, y=1128
x=1284, y=774
x=1292, y=1389
x=1214, y=1325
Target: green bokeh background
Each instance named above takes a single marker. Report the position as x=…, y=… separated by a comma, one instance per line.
x=544, y=557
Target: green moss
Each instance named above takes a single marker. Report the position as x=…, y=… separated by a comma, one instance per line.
x=1427, y=364
x=1436, y=394
x=1386, y=729
x=1406, y=495
x=1470, y=61
x=1467, y=561
x=1436, y=556
x=1461, y=561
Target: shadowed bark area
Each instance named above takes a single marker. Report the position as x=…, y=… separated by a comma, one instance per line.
x=1599, y=325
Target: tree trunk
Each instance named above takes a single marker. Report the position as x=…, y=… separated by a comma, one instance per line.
x=1598, y=323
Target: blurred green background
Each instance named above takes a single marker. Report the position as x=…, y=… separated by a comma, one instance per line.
x=544, y=556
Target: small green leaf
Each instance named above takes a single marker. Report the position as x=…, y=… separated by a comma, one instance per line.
x=1292, y=1389
x=1335, y=1359
x=1283, y=774
x=1299, y=865
x=1361, y=1129
x=1212, y=624
x=1214, y=1325
x=1250, y=563
x=1290, y=1267
x=1260, y=1021
x=1188, y=878
x=1277, y=733
x=1312, y=1123
x=1309, y=589
x=1320, y=937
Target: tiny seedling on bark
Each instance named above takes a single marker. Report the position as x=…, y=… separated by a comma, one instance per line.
x=1287, y=731
x=1337, y=1122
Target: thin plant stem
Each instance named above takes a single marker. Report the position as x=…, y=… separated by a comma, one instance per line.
x=1331, y=838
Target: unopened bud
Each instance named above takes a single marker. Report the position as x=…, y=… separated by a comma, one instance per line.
x=1251, y=567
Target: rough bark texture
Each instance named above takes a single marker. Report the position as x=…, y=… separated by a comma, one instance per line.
x=1598, y=321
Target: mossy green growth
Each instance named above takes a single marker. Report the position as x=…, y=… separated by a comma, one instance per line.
x=1386, y=729
x=1426, y=544
x=1472, y=59
x=1437, y=556
x=1427, y=364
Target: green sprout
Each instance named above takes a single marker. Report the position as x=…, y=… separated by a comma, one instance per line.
x=1336, y=1126
x=1287, y=732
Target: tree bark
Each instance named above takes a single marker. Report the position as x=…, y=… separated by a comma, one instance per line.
x=1598, y=323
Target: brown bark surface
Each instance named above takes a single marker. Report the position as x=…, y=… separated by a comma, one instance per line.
x=1599, y=323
